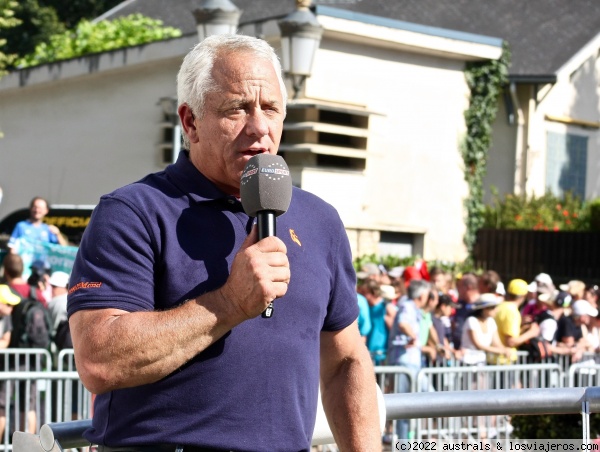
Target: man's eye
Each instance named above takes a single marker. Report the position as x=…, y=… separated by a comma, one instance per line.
x=235, y=111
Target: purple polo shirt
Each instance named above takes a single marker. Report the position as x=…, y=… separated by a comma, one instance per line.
x=172, y=236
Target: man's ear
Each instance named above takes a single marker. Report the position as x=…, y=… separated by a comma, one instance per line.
x=186, y=115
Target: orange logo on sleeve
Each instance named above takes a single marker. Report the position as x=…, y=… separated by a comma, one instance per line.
x=85, y=285
x=295, y=237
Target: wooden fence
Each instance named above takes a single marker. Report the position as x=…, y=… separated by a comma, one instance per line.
x=524, y=254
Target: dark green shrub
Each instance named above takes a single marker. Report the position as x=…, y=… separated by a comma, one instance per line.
x=556, y=426
x=594, y=214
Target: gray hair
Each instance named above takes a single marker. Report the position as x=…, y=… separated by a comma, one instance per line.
x=416, y=288
x=195, y=80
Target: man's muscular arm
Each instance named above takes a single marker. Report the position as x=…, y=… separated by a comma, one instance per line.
x=116, y=349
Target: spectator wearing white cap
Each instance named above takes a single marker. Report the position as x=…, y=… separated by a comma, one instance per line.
x=541, y=285
x=571, y=328
x=575, y=288
x=584, y=313
x=59, y=281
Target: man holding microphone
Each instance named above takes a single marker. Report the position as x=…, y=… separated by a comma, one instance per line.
x=171, y=280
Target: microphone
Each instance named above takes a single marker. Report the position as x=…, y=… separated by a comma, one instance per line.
x=266, y=193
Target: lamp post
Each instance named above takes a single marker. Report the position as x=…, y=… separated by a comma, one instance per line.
x=216, y=17
x=300, y=38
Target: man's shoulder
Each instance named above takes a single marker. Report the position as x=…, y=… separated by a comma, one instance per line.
x=507, y=308
x=311, y=211
x=149, y=193
x=144, y=186
x=306, y=199
x=20, y=289
x=407, y=305
x=22, y=226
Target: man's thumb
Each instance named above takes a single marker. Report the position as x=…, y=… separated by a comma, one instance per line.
x=252, y=237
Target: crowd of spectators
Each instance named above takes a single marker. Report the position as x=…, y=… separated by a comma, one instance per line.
x=417, y=317
x=413, y=318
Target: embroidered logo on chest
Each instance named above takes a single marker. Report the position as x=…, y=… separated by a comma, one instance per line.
x=295, y=237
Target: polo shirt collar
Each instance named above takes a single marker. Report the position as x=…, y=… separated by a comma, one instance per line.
x=191, y=181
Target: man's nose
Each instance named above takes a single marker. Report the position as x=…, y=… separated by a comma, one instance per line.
x=257, y=124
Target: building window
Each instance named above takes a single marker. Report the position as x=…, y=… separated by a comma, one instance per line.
x=400, y=244
x=566, y=164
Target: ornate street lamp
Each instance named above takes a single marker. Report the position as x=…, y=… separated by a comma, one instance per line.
x=300, y=38
x=216, y=17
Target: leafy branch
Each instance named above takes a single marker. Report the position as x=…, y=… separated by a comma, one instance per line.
x=93, y=37
x=486, y=81
x=7, y=20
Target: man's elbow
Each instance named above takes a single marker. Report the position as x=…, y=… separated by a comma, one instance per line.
x=95, y=378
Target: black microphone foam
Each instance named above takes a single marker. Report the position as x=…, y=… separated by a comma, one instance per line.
x=266, y=185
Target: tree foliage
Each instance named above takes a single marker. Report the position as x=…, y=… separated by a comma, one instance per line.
x=36, y=25
x=72, y=11
x=7, y=20
x=41, y=19
x=486, y=81
x=92, y=37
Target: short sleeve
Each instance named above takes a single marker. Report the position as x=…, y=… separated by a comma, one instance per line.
x=114, y=264
x=342, y=309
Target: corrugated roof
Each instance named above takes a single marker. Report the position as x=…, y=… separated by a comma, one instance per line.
x=543, y=34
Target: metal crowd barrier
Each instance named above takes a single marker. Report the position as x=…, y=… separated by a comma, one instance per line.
x=39, y=387
x=61, y=399
x=58, y=437
x=436, y=380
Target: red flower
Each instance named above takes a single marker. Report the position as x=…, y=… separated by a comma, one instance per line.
x=518, y=217
x=566, y=213
x=556, y=228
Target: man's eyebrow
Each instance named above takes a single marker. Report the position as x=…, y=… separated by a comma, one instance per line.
x=241, y=101
x=232, y=103
x=273, y=102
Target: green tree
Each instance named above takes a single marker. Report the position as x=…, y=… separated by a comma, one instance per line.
x=7, y=20
x=72, y=11
x=37, y=24
x=90, y=37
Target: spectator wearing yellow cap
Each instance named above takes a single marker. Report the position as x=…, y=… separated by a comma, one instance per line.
x=508, y=320
x=8, y=299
